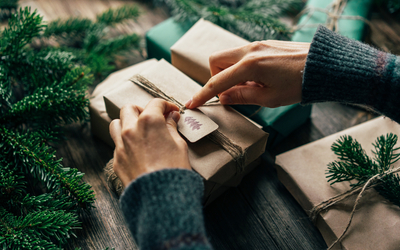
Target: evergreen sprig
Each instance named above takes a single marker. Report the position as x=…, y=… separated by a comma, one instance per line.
x=251, y=19
x=355, y=165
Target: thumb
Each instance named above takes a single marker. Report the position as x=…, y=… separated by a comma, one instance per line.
x=247, y=95
x=172, y=124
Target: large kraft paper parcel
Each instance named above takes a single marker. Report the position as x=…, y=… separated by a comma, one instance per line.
x=210, y=160
x=191, y=53
x=376, y=223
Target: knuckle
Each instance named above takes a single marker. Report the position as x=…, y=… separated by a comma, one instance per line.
x=148, y=120
x=211, y=83
x=240, y=97
x=127, y=134
x=257, y=45
x=128, y=106
x=182, y=144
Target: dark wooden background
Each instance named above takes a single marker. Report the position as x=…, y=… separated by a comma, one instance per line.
x=259, y=213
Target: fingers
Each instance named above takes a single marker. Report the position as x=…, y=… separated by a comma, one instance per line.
x=172, y=121
x=249, y=95
x=129, y=115
x=115, y=132
x=224, y=59
x=224, y=80
x=157, y=108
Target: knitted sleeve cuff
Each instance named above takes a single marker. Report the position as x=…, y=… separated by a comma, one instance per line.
x=164, y=208
x=343, y=70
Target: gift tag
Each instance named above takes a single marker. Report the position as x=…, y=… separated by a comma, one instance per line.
x=195, y=125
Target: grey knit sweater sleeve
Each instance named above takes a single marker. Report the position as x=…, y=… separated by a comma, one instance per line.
x=342, y=70
x=163, y=210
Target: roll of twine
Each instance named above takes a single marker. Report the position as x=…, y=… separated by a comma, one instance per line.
x=217, y=137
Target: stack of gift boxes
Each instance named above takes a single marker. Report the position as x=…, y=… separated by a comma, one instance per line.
x=301, y=170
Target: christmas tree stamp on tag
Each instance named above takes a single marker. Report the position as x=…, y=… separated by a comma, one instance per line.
x=194, y=125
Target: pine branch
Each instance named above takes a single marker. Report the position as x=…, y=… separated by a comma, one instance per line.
x=37, y=229
x=113, y=16
x=252, y=20
x=67, y=28
x=22, y=28
x=36, y=158
x=12, y=182
x=355, y=164
x=60, y=104
x=116, y=45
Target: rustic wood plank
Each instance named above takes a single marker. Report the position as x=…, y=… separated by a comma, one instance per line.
x=104, y=226
x=259, y=213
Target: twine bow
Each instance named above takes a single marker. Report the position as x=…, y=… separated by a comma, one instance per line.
x=372, y=182
x=334, y=12
x=217, y=137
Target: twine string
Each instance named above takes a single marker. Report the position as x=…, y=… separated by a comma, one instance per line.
x=334, y=12
x=372, y=182
x=217, y=137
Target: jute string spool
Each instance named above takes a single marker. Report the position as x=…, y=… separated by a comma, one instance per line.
x=217, y=137
x=372, y=182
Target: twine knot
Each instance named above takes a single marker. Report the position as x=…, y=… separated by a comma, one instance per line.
x=372, y=182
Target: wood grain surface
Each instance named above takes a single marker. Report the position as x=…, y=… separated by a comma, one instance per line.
x=259, y=213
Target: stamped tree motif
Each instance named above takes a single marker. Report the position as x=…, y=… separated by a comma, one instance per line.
x=193, y=123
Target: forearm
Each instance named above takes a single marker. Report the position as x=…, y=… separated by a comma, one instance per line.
x=163, y=210
x=342, y=70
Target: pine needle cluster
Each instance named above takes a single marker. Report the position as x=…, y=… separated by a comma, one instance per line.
x=355, y=165
x=251, y=19
x=91, y=42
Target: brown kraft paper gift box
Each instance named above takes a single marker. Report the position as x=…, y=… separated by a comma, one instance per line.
x=99, y=119
x=210, y=160
x=192, y=58
x=376, y=222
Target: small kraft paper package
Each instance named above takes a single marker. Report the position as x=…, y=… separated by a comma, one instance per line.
x=99, y=119
x=222, y=163
x=190, y=54
x=376, y=222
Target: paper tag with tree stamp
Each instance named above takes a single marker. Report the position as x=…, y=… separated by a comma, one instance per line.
x=195, y=125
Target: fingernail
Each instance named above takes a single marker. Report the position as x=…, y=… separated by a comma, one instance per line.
x=174, y=116
x=225, y=99
x=188, y=103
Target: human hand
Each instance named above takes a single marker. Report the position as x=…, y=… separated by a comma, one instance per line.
x=267, y=73
x=147, y=140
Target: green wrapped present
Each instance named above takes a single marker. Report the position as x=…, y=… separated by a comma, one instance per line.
x=351, y=28
x=161, y=37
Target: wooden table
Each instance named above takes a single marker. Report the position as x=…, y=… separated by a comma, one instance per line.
x=259, y=213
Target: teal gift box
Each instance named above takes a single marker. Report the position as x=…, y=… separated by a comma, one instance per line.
x=161, y=37
x=351, y=28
